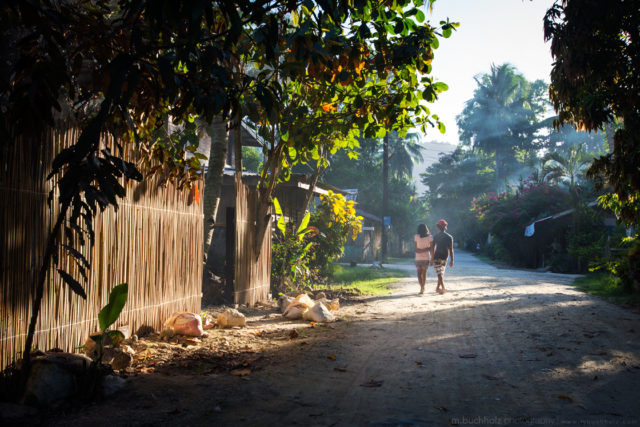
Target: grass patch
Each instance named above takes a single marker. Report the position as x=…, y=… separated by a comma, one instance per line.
x=607, y=286
x=369, y=281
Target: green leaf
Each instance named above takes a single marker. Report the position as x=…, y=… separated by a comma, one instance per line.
x=305, y=250
x=428, y=94
x=420, y=16
x=285, y=136
x=303, y=225
x=441, y=127
x=278, y=209
x=440, y=86
x=398, y=27
x=110, y=312
x=446, y=33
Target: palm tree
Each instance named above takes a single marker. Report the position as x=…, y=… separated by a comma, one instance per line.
x=403, y=153
x=567, y=166
x=502, y=116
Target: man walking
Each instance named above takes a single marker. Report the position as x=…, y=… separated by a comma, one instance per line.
x=443, y=248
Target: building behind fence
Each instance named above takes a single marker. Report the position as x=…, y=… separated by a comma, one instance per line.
x=153, y=242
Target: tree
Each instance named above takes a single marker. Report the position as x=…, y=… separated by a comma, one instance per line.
x=595, y=80
x=370, y=81
x=502, y=117
x=569, y=164
x=452, y=183
x=346, y=172
x=124, y=69
x=403, y=154
x=219, y=135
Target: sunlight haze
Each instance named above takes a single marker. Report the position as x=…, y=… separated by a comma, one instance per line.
x=490, y=32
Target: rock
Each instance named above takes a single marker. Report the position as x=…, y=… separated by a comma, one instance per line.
x=320, y=296
x=121, y=360
x=92, y=348
x=48, y=383
x=109, y=353
x=53, y=377
x=230, y=318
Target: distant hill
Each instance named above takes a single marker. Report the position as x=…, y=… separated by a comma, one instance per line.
x=431, y=152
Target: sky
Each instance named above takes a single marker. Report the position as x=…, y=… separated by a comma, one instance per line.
x=490, y=32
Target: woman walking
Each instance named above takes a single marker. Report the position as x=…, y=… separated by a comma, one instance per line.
x=424, y=252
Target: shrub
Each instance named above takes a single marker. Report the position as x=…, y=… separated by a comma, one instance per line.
x=587, y=242
x=506, y=215
x=336, y=221
x=290, y=254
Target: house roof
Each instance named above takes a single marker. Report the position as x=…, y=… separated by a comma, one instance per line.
x=368, y=215
x=295, y=180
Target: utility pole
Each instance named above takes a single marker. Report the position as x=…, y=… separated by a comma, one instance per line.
x=385, y=194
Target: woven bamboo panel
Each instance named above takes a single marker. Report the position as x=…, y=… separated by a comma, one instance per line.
x=153, y=242
x=252, y=277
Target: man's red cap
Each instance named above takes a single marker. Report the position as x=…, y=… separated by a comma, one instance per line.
x=442, y=223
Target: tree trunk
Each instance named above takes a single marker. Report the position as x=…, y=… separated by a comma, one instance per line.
x=237, y=142
x=313, y=181
x=385, y=194
x=265, y=191
x=219, y=134
x=610, y=133
x=499, y=171
x=52, y=246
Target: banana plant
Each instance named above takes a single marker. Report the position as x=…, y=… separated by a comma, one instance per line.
x=108, y=316
x=291, y=252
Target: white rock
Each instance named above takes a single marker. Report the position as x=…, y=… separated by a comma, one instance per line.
x=318, y=313
x=230, y=318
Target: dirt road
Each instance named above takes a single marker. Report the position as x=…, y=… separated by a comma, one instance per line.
x=501, y=347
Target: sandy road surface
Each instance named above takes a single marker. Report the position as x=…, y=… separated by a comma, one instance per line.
x=501, y=347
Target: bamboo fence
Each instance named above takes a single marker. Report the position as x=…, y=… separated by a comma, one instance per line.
x=153, y=242
x=252, y=277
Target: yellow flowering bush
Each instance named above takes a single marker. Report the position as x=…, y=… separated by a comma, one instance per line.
x=336, y=221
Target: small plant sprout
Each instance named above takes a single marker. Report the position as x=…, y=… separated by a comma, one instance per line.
x=108, y=316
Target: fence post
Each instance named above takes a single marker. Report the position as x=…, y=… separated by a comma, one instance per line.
x=230, y=253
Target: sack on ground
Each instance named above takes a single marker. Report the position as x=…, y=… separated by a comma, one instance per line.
x=283, y=302
x=295, y=310
x=230, y=318
x=318, y=313
x=304, y=299
x=185, y=323
x=331, y=304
